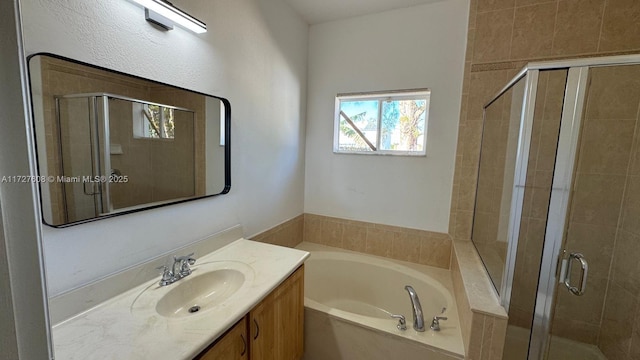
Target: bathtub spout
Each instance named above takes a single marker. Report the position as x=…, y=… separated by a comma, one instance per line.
x=418, y=318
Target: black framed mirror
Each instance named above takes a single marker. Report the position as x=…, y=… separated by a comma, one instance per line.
x=110, y=143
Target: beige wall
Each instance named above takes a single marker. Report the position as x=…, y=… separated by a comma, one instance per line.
x=503, y=36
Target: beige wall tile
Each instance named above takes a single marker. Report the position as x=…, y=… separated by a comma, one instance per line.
x=497, y=339
x=453, y=214
x=487, y=338
x=312, y=228
x=621, y=26
x=588, y=307
x=471, y=40
x=289, y=233
x=493, y=36
x=435, y=250
x=597, y=199
x=467, y=192
x=532, y=2
x=578, y=24
x=379, y=242
x=576, y=330
x=354, y=237
x=406, y=247
x=626, y=264
x=631, y=206
x=464, y=220
x=634, y=166
x=606, y=146
x=595, y=242
x=533, y=31
x=614, y=93
x=331, y=232
x=618, y=320
x=472, y=141
x=490, y=5
x=482, y=86
x=473, y=12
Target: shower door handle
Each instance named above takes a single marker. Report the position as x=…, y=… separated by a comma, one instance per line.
x=576, y=290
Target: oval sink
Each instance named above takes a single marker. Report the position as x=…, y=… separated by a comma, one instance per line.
x=210, y=285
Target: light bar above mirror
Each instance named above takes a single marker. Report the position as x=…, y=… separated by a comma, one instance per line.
x=169, y=15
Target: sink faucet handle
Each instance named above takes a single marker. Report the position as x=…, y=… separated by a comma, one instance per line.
x=167, y=275
x=402, y=322
x=184, y=263
x=188, y=258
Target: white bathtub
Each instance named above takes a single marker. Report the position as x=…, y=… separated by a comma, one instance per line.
x=349, y=298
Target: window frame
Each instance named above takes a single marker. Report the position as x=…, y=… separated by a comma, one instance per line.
x=380, y=96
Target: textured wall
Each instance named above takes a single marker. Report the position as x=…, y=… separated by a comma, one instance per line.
x=414, y=47
x=254, y=54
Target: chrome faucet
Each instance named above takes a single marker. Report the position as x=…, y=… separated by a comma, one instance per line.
x=418, y=318
x=180, y=269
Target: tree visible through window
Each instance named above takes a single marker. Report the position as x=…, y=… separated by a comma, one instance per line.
x=382, y=123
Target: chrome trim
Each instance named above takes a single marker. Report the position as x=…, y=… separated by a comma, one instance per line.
x=519, y=182
x=565, y=64
x=584, y=266
x=122, y=97
x=570, y=123
x=418, y=318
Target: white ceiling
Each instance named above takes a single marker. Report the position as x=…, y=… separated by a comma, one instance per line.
x=318, y=11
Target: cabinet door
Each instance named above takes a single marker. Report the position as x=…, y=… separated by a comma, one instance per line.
x=277, y=323
x=232, y=346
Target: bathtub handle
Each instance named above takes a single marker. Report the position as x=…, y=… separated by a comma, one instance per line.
x=402, y=322
x=257, y=329
x=435, y=324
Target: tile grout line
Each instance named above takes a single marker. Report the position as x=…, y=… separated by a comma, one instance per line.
x=604, y=8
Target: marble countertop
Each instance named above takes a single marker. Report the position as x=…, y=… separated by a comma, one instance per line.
x=112, y=330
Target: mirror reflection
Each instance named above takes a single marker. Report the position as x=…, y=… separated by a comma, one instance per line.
x=110, y=143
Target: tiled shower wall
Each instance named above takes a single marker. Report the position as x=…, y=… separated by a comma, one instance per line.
x=604, y=216
x=503, y=36
x=506, y=34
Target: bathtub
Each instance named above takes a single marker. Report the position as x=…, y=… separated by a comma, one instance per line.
x=349, y=299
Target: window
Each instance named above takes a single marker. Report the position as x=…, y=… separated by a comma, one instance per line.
x=153, y=121
x=389, y=123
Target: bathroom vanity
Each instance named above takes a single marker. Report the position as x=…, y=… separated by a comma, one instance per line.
x=250, y=305
x=272, y=330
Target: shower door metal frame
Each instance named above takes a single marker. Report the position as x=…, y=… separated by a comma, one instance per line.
x=565, y=163
x=520, y=178
x=570, y=123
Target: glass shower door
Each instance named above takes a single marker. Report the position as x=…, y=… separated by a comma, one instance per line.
x=600, y=317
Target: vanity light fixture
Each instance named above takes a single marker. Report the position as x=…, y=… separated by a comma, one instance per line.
x=165, y=14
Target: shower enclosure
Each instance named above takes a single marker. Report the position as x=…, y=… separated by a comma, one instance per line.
x=557, y=213
x=118, y=153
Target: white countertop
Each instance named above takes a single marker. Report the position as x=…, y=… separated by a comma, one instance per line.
x=111, y=331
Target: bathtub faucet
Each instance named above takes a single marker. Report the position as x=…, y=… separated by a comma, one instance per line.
x=418, y=319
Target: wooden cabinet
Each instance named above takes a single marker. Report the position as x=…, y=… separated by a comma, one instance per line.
x=277, y=323
x=233, y=345
x=276, y=327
